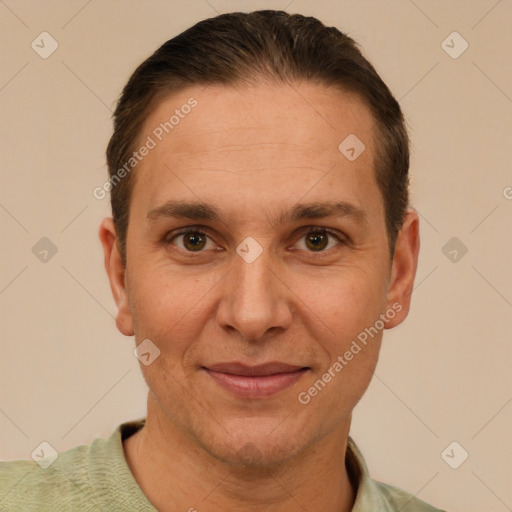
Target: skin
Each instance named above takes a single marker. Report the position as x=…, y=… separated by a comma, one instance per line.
x=254, y=153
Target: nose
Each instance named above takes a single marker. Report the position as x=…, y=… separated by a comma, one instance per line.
x=255, y=301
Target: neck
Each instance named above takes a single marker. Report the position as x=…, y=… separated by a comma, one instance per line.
x=176, y=474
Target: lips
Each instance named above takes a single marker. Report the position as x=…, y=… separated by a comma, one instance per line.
x=255, y=381
x=261, y=370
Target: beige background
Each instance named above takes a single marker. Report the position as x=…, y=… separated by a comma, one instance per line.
x=67, y=375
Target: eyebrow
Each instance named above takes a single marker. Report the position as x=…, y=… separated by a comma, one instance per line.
x=205, y=211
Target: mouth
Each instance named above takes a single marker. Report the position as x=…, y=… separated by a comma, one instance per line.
x=255, y=381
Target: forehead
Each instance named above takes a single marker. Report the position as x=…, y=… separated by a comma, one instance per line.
x=276, y=140
x=304, y=114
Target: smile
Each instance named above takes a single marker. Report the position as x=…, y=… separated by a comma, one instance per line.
x=256, y=381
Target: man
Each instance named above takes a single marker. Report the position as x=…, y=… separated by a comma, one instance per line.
x=261, y=241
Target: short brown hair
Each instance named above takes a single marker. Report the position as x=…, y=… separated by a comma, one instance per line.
x=239, y=48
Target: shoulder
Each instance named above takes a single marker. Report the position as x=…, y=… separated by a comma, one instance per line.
x=398, y=499
x=376, y=496
x=85, y=478
x=26, y=484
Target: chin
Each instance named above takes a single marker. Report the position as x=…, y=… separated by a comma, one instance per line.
x=254, y=442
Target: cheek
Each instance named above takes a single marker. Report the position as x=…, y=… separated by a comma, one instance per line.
x=342, y=318
x=346, y=301
x=166, y=307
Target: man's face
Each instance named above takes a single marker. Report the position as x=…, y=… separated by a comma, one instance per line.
x=256, y=156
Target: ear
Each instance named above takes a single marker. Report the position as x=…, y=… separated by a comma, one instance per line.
x=116, y=274
x=403, y=268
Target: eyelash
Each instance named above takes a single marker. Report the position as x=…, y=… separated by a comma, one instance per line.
x=199, y=230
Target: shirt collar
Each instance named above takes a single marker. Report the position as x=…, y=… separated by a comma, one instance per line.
x=368, y=494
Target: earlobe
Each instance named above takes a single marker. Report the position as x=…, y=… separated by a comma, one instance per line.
x=403, y=268
x=116, y=274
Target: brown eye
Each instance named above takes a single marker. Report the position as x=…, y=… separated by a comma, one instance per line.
x=194, y=241
x=191, y=240
x=319, y=240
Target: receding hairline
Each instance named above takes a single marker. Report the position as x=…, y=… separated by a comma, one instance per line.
x=242, y=86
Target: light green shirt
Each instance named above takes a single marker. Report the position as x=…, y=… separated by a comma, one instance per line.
x=96, y=477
